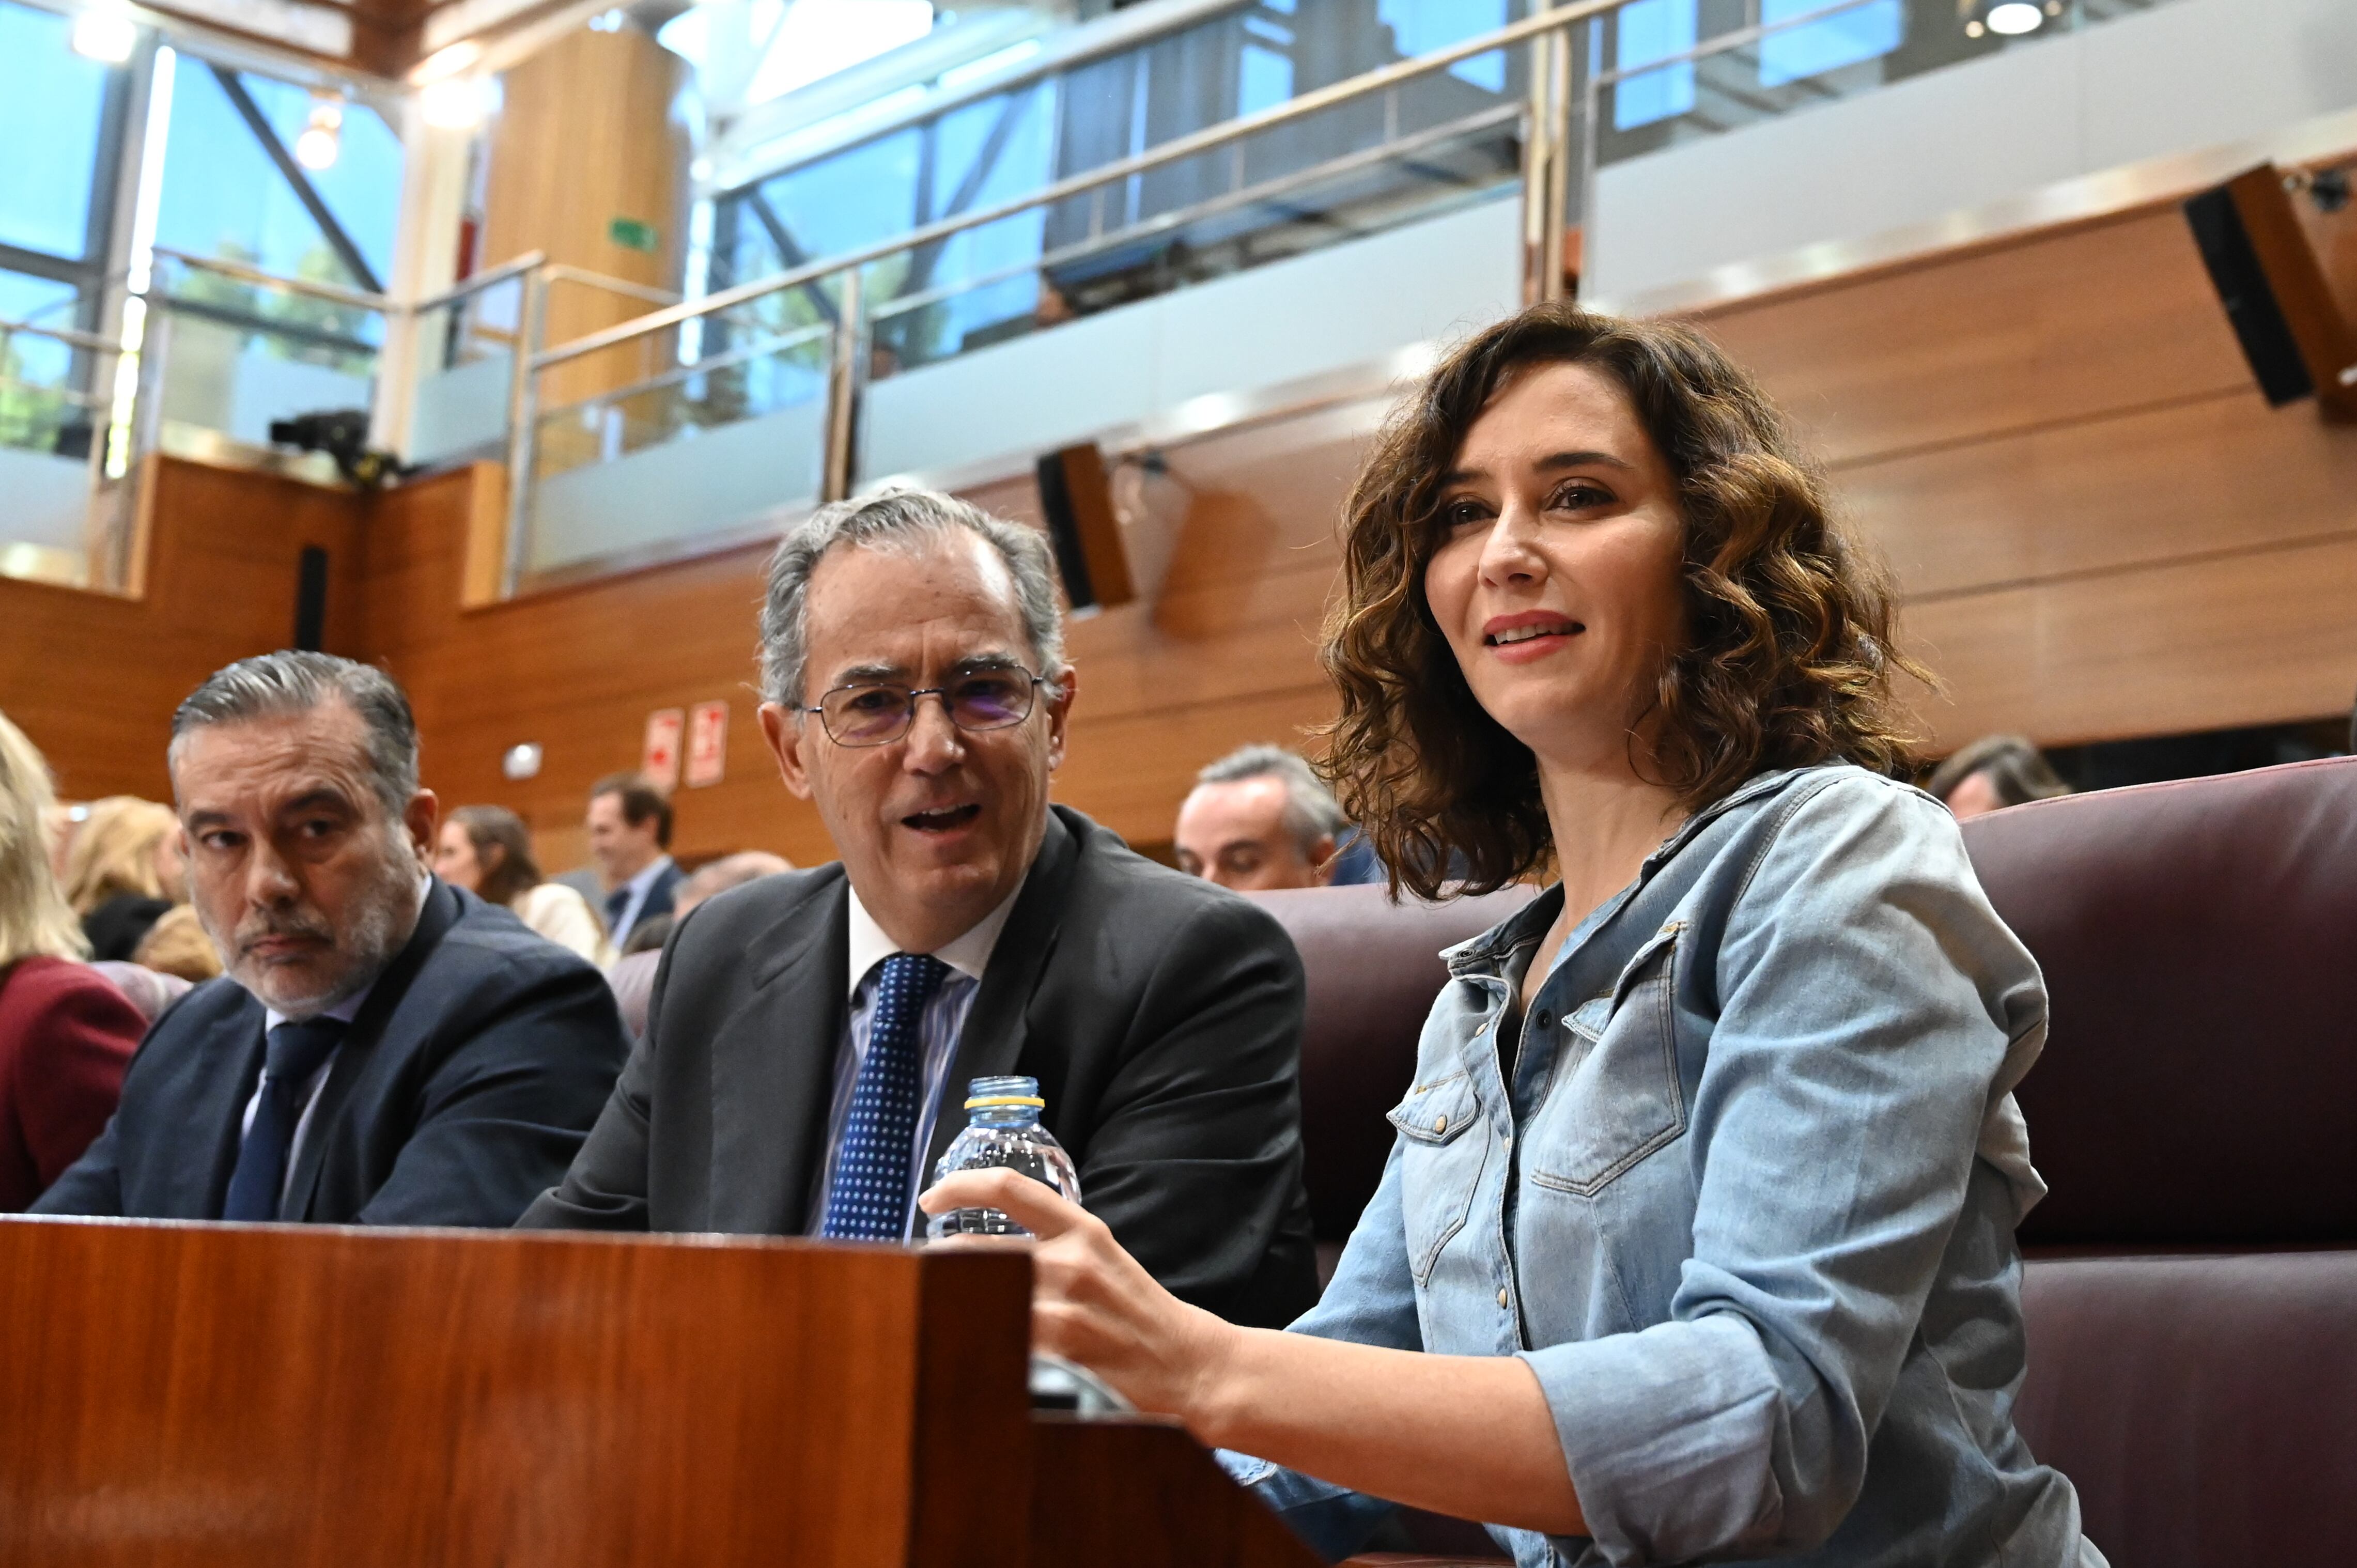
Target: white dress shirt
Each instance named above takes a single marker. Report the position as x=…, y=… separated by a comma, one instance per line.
x=967, y=956
x=640, y=886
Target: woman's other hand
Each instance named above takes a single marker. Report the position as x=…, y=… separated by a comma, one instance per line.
x=1092, y=1302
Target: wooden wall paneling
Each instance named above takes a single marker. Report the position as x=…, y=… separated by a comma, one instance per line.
x=1136, y=767
x=2051, y=327
x=2265, y=636
x=586, y=136
x=2218, y=473
x=2296, y=276
x=93, y=678
x=576, y=671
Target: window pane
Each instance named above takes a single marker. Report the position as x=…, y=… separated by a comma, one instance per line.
x=223, y=196
x=1651, y=30
x=35, y=370
x=1867, y=32
x=362, y=187
x=1420, y=26
x=50, y=99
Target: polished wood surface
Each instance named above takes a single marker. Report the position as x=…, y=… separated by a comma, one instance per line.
x=1138, y=1491
x=188, y=1394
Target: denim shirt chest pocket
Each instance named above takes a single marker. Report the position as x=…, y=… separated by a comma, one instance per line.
x=1615, y=1097
x=1441, y=1159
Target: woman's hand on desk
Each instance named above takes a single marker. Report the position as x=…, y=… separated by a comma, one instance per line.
x=1460, y=1434
x=1092, y=1303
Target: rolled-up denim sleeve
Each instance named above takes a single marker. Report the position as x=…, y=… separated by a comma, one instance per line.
x=1866, y=990
x=1371, y=1301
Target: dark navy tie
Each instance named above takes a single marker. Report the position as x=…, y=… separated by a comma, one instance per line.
x=869, y=1199
x=295, y=1053
x=616, y=902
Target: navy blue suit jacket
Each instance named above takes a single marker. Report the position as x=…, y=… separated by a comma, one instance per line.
x=659, y=895
x=462, y=1090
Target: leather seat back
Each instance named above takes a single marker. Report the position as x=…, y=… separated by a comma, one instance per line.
x=1374, y=968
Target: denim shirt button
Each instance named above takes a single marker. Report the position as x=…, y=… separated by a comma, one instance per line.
x=1545, y=1020
x=1502, y=1296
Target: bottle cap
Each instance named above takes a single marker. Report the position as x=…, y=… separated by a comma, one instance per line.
x=983, y=1102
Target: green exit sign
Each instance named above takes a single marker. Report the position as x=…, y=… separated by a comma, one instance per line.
x=633, y=235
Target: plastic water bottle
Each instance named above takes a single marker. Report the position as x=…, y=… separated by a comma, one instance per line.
x=1002, y=1129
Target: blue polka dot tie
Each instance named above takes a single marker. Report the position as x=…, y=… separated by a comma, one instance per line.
x=869, y=1200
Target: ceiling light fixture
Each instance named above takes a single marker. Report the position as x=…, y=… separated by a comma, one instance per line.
x=2015, y=17
x=322, y=140
x=459, y=102
x=105, y=34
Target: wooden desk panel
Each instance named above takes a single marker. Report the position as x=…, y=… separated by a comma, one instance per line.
x=184, y=1396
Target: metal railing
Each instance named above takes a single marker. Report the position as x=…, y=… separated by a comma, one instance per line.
x=119, y=388
x=1545, y=178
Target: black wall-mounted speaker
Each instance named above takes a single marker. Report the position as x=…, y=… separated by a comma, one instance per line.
x=310, y=599
x=2277, y=297
x=2251, y=307
x=1076, y=499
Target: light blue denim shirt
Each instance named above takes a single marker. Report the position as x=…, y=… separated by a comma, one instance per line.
x=1747, y=1209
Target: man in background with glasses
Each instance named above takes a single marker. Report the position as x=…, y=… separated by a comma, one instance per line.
x=812, y=1035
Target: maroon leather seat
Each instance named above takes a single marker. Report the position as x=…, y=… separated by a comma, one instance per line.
x=1373, y=969
x=2194, y=1105
x=2199, y=944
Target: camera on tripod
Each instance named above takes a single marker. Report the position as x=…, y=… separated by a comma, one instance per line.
x=342, y=435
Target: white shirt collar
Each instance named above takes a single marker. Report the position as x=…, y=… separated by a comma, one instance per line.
x=343, y=1012
x=968, y=954
x=644, y=882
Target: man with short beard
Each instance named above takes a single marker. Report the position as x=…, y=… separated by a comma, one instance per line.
x=385, y=1049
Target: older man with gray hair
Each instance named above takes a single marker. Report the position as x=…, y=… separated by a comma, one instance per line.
x=385, y=1049
x=812, y=1036
x=1259, y=820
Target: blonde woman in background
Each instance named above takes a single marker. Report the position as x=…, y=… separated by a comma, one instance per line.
x=66, y=1035
x=177, y=945
x=123, y=870
x=486, y=850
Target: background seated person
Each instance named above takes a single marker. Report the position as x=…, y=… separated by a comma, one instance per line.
x=629, y=839
x=812, y=1035
x=1991, y=773
x=124, y=873
x=1257, y=820
x=486, y=850
x=65, y=1032
x=632, y=975
x=1696, y=1241
x=384, y=1048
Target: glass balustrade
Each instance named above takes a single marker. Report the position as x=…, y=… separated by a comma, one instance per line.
x=52, y=404
x=1679, y=70
x=629, y=458
x=235, y=352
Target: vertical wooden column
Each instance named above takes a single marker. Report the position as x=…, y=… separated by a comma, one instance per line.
x=588, y=153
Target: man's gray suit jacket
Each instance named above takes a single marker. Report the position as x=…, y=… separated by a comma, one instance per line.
x=1161, y=1015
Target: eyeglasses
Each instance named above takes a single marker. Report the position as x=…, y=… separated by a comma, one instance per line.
x=879, y=714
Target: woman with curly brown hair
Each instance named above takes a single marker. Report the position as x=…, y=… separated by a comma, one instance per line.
x=1696, y=1240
